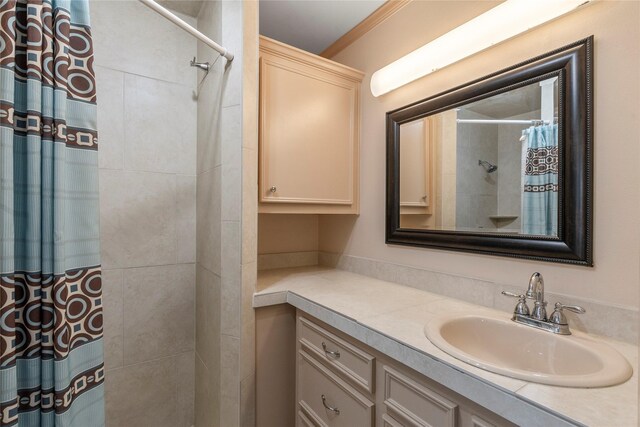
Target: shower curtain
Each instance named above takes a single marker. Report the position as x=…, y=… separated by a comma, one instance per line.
x=540, y=180
x=51, y=348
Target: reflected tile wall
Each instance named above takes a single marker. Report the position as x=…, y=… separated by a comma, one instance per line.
x=476, y=190
x=147, y=158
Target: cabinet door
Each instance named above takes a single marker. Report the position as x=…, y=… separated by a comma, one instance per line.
x=308, y=134
x=415, y=162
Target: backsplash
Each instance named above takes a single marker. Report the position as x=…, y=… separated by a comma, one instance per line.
x=287, y=259
x=612, y=321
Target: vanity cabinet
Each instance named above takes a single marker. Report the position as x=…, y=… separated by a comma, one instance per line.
x=309, y=132
x=342, y=382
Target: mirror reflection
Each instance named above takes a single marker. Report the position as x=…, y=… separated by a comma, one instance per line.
x=487, y=166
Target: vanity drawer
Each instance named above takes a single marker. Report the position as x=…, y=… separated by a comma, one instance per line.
x=356, y=365
x=411, y=404
x=315, y=381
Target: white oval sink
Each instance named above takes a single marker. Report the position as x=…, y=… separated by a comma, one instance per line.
x=518, y=351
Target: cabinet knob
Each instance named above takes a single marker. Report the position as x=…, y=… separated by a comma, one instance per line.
x=273, y=189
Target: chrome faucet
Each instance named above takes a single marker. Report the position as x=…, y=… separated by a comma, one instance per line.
x=536, y=292
x=557, y=322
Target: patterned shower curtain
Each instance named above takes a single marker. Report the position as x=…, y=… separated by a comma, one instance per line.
x=51, y=355
x=540, y=180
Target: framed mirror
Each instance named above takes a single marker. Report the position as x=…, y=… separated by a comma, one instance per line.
x=501, y=165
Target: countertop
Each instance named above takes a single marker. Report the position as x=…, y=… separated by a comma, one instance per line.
x=391, y=317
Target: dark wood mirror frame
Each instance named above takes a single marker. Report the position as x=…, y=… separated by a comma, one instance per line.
x=573, y=66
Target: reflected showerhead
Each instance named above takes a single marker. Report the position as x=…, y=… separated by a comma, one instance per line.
x=490, y=168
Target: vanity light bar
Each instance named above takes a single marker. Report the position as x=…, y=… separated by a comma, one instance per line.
x=492, y=27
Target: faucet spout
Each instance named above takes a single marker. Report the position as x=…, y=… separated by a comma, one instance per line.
x=536, y=291
x=536, y=287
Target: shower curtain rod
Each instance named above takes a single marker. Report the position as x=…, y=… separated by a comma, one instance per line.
x=499, y=121
x=188, y=28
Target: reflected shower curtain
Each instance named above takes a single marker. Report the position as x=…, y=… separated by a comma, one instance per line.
x=51, y=356
x=540, y=180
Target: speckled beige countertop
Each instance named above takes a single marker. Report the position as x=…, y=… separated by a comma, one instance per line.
x=391, y=318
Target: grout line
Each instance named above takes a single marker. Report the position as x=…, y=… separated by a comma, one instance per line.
x=209, y=271
x=123, y=169
x=153, y=360
x=146, y=77
x=123, y=311
x=229, y=336
x=176, y=208
x=147, y=266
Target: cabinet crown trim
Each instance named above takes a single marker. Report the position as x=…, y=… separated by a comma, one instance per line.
x=276, y=48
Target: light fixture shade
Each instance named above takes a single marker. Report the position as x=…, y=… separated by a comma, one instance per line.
x=504, y=21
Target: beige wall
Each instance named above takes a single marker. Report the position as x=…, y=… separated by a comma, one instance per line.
x=615, y=277
x=280, y=233
x=147, y=158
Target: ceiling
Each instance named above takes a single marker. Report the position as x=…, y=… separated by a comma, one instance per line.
x=509, y=104
x=312, y=25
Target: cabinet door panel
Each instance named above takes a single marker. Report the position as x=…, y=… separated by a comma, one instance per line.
x=415, y=405
x=307, y=135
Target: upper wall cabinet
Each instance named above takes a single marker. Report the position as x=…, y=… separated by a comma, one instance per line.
x=309, y=132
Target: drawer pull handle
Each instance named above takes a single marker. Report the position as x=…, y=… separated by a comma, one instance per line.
x=332, y=409
x=335, y=354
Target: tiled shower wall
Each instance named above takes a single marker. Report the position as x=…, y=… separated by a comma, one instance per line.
x=147, y=131
x=476, y=190
x=227, y=215
x=209, y=225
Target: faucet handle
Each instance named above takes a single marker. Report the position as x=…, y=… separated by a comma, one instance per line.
x=511, y=294
x=574, y=308
x=521, y=307
x=558, y=316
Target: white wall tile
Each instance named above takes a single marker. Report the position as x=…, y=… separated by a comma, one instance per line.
x=229, y=411
x=147, y=124
x=208, y=225
x=112, y=285
x=143, y=395
x=158, y=311
x=230, y=366
x=186, y=218
x=130, y=37
x=207, y=316
x=137, y=218
x=231, y=137
x=207, y=405
x=208, y=115
x=160, y=127
x=110, y=90
x=231, y=278
x=232, y=39
x=185, y=391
